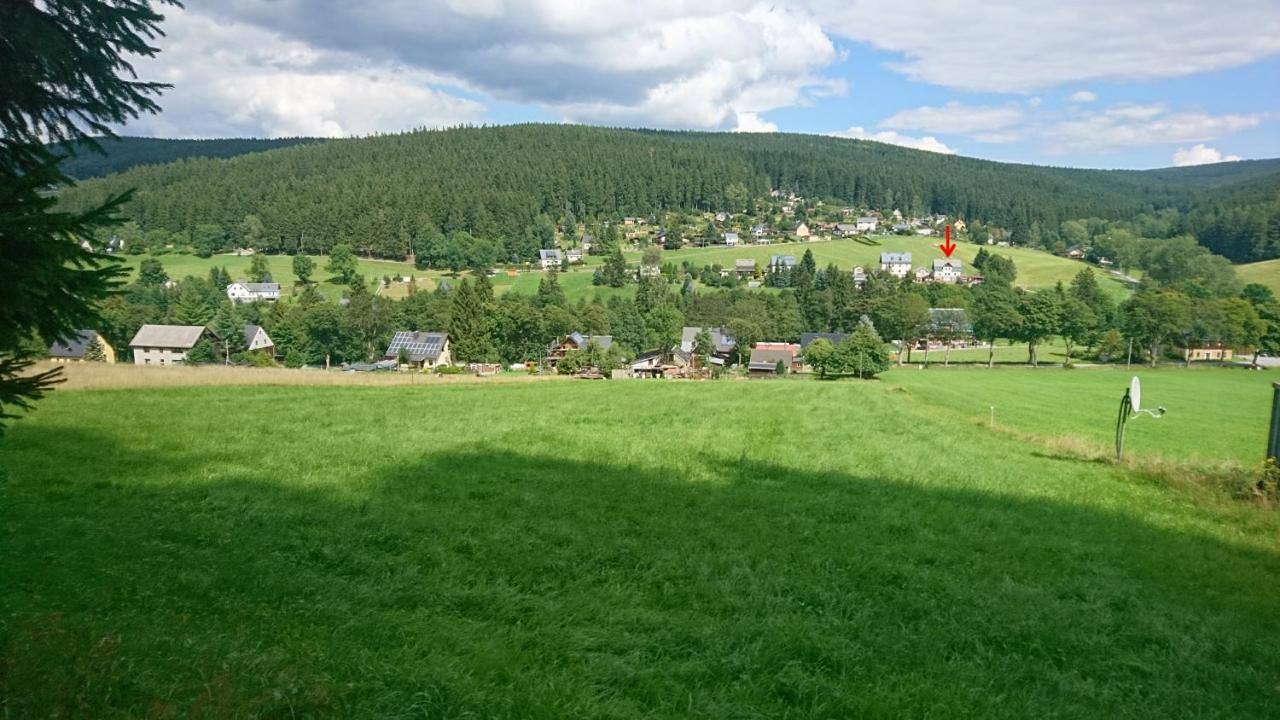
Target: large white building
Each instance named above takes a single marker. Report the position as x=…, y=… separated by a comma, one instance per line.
x=946, y=271
x=164, y=344
x=247, y=292
x=897, y=264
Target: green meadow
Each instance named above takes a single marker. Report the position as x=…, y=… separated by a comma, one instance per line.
x=748, y=549
x=1035, y=268
x=1266, y=272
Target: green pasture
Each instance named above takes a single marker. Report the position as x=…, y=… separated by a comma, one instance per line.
x=1036, y=269
x=633, y=549
x=1266, y=272
x=1213, y=413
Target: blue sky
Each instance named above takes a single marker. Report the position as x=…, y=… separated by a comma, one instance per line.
x=1093, y=83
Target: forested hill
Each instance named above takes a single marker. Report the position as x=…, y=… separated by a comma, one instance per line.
x=380, y=192
x=122, y=153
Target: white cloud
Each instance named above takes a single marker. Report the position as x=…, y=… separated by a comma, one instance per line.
x=751, y=122
x=1083, y=96
x=1124, y=126
x=1200, y=155
x=956, y=118
x=672, y=63
x=1026, y=46
x=929, y=143
x=233, y=79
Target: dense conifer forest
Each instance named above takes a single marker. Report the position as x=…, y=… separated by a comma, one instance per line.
x=380, y=193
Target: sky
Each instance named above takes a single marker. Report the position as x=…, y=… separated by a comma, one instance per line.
x=1086, y=83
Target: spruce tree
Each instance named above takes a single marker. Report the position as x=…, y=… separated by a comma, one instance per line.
x=469, y=326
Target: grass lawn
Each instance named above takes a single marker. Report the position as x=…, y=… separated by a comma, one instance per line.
x=1266, y=272
x=626, y=550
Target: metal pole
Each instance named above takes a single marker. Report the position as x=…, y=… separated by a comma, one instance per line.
x=1129, y=363
x=1273, y=445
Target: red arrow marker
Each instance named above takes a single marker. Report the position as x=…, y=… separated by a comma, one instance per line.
x=948, y=247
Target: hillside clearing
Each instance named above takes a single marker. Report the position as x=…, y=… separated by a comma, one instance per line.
x=1266, y=272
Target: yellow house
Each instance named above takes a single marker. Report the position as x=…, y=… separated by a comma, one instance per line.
x=1209, y=351
x=80, y=348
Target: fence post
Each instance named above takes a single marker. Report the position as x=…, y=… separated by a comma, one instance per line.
x=1273, y=443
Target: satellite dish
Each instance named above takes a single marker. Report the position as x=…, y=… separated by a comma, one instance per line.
x=1135, y=394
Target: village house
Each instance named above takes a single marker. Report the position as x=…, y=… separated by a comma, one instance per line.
x=765, y=357
x=722, y=346
x=423, y=350
x=1075, y=252
x=574, y=255
x=1213, y=351
x=959, y=225
x=587, y=242
x=731, y=239
x=74, y=348
x=897, y=264
x=574, y=341
x=924, y=231
x=922, y=274
x=744, y=267
x=759, y=230
x=781, y=262
x=242, y=291
x=801, y=230
x=633, y=221
x=165, y=344
x=848, y=211
x=549, y=258
x=257, y=340
x=946, y=271
x=846, y=229
x=867, y=223
x=859, y=276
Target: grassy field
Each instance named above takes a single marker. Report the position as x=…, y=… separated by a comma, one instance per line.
x=630, y=549
x=1035, y=269
x=1266, y=272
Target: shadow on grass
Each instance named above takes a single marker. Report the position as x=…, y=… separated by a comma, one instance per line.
x=497, y=583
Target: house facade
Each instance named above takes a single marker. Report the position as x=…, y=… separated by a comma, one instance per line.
x=867, y=224
x=165, y=345
x=75, y=348
x=574, y=341
x=424, y=350
x=722, y=346
x=257, y=340
x=241, y=291
x=897, y=264
x=549, y=258
x=801, y=230
x=766, y=356
x=731, y=239
x=946, y=271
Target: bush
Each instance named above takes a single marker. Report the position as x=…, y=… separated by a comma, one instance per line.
x=447, y=370
x=295, y=359
x=1269, y=480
